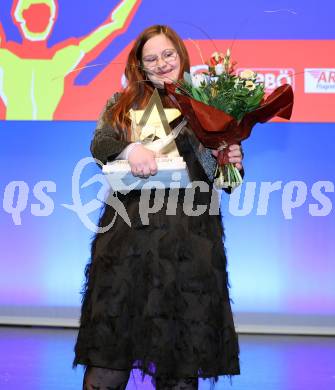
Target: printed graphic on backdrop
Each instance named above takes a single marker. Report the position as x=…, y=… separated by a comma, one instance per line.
x=43, y=80
x=33, y=75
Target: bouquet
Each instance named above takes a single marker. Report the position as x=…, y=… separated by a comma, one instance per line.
x=222, y=108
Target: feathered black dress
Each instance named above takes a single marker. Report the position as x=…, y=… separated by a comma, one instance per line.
x=156, y=295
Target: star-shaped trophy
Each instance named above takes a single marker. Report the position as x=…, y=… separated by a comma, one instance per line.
x=151, y=127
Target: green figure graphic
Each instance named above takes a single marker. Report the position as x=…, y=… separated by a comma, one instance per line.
x=31, y=88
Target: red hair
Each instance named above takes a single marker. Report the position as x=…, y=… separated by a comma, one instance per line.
x=138, y=89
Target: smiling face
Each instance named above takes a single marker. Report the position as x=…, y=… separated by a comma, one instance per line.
x=160, y=60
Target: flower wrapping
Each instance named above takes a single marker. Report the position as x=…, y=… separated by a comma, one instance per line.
x=215, y=128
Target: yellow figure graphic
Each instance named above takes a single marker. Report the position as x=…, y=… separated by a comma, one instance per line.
x=31, y=88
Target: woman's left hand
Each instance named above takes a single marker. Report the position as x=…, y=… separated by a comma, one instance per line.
x=235, y=155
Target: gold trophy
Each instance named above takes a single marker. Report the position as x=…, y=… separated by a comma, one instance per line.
x=151, y=128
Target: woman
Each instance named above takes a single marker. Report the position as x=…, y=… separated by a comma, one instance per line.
x=156, y=295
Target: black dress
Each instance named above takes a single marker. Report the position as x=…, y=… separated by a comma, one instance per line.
x=156, y=295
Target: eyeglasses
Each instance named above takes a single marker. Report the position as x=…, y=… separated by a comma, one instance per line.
x=168, y=56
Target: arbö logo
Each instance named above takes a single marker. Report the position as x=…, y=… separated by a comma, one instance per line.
x=273, y=77
x=320, y=80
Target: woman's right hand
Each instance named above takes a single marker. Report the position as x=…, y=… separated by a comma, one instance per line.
x=142, y=161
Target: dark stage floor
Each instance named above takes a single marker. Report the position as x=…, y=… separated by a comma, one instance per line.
x=40, y=358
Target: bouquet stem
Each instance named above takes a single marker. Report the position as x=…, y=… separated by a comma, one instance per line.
x=227, y=175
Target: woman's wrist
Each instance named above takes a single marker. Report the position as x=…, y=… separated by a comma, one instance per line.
x=131, y=148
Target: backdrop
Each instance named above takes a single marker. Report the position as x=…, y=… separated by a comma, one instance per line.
x=59, y=63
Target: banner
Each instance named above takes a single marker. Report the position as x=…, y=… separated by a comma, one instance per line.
x=59, y=72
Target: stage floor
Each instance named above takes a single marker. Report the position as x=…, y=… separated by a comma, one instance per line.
x=41, y=358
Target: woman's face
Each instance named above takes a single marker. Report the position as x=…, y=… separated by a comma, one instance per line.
x=160, y=60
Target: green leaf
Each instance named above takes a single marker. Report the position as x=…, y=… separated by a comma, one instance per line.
x=196, y=93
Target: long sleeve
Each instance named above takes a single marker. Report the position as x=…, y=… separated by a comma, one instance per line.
x=204, y=155
x=105, y=146
x=208, y=162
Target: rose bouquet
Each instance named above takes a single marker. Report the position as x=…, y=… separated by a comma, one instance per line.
x=222, y=108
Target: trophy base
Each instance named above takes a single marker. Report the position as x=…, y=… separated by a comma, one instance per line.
x=172, y=172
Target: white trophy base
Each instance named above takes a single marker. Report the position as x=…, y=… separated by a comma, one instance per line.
x=171, y=173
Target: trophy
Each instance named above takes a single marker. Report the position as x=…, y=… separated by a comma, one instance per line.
x=151, y=128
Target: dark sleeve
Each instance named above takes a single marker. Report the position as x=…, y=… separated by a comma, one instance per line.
x=105, y=145
x=204, y=155
x=208, y=162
